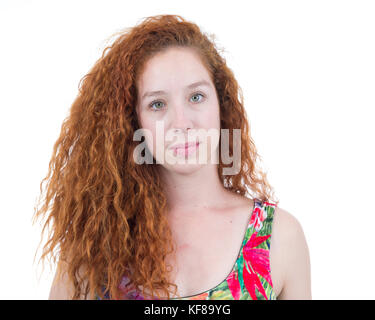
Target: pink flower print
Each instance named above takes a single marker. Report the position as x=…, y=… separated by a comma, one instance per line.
x=234, y=285
x=252, y=282
x=257, y=218
x=257, y=260
x=258, y=257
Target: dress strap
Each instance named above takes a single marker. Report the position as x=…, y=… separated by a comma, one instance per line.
x=266, y=215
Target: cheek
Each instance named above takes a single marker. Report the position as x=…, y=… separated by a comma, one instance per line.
x=211, y=116
x=212, y=125
x=211, y=121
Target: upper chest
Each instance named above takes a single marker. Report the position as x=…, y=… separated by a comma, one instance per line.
x=205, y=253
x=207, y=249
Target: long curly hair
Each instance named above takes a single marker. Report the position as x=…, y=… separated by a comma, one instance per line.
x=105, y=213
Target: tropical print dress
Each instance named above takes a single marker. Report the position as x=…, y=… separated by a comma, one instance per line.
x=250, y=278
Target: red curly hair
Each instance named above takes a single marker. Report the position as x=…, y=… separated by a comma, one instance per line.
x=107, y=212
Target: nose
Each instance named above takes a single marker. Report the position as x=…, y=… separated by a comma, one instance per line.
x=181, y=118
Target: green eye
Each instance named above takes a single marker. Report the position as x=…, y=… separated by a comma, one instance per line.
x=197, y=94
x=154, y=103
x=158, y=102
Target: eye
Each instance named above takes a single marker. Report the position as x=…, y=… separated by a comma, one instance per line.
x=158, y=102
x=154, y=103
x=197, y=94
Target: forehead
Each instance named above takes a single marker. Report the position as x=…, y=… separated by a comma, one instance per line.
x=172, y=68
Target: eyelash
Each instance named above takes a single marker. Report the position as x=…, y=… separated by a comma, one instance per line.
x=157, y=109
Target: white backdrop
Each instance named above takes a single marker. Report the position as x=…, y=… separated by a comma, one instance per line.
x=307, y=71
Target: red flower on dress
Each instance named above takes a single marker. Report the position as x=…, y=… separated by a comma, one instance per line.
x=234, y=285
x=257, y=261
x=257, y=218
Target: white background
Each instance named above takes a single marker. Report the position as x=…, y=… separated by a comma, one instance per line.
x=307, y=71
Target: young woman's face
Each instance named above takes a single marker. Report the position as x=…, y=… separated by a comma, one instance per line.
x=186, y=100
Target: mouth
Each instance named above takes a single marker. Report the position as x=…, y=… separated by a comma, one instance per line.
x=185, y=149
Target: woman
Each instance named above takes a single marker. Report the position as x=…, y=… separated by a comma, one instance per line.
x=172, y=228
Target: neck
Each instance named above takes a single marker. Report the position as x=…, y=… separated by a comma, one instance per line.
x=201, y=189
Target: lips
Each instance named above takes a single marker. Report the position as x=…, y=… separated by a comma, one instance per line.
x=185, y=149
x=185, y=145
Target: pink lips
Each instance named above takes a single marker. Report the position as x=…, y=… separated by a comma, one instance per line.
x=185, y=149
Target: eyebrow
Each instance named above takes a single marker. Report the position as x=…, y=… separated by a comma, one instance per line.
x=190, y=86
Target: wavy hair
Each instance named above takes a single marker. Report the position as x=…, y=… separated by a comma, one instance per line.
x=106, y=213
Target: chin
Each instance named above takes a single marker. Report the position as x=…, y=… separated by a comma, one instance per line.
x=184, y=169
x=182, y=165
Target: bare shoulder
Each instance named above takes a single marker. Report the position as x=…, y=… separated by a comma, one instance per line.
x=285, y=225
x=292, y=256
x=62, y=288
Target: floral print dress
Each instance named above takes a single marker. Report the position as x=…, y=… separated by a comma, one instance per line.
x=250, y=278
